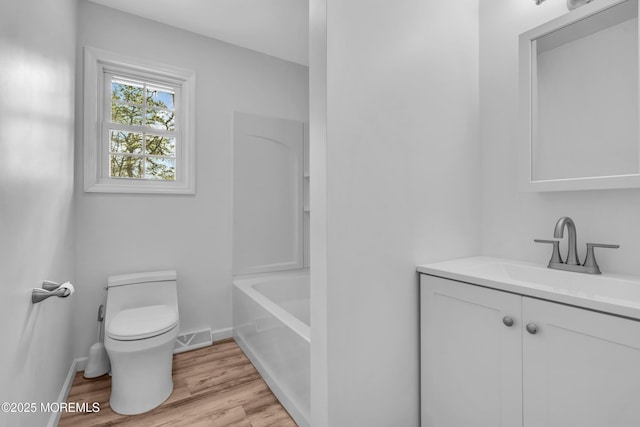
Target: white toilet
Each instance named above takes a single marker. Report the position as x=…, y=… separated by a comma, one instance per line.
x=141, y=325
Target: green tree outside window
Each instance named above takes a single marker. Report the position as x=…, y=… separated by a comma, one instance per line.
x=142, y=154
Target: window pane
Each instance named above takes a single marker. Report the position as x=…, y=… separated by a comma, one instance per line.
x=125, y=142
x=161, y=168
x=123, y=166
x=126, y=114
x=161, y=145
x=158, y=119
x=160, y=98
x=127, y=91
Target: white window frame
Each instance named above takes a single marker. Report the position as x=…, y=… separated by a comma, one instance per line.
x=96, y=135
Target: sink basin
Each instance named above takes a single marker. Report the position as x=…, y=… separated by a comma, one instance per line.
x=616, y=294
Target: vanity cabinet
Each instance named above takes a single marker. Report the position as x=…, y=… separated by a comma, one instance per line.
x=493, y=358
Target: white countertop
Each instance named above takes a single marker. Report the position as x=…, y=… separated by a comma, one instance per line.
x=609, y=293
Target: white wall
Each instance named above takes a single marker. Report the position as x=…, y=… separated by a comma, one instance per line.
x=37, y=65
x=511, y=220
x=400, y=160
x=318, y=201
x=118, y=233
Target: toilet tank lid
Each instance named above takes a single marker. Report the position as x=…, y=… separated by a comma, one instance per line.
x=152, y=276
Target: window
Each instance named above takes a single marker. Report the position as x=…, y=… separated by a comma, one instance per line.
x=139, y=126
x=141, y=129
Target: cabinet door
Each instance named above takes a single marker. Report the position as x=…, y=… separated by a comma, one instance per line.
x=581, y=368
x=471, y=363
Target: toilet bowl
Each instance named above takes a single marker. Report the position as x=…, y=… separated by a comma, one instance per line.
x=142, y=324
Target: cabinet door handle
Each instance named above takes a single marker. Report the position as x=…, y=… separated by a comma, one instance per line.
x=508, y=321
x=532, y=328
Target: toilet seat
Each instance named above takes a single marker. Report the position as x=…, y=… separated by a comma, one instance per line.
x=142, y=322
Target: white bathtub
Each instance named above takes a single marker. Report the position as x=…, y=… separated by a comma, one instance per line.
x=271, y=325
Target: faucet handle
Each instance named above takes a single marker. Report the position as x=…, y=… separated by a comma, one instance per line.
x=555, y=255
x=590, y=261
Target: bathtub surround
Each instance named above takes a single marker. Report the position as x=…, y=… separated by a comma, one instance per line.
x=268, y=194
x=37, y=71
x=191, y=234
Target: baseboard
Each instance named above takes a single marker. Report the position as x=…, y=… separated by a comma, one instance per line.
x=222, y=334
x=81, y=363
x=64, y=392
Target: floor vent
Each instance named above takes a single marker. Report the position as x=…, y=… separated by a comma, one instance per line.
x=192, y=340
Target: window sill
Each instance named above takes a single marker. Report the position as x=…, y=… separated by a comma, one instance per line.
x=142, y=187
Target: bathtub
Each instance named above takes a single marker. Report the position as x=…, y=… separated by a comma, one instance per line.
x=271, y=323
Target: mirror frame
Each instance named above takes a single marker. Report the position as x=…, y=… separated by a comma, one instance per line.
x=527, y=83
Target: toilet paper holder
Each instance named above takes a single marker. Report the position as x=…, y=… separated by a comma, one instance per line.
x=51, y=289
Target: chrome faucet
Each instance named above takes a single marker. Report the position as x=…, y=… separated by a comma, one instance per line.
x=590, y=265
x=572, y=253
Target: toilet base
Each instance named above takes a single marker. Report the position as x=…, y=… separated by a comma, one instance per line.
x=141, y=372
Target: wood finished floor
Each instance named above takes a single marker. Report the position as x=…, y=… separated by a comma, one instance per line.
x=213, y=386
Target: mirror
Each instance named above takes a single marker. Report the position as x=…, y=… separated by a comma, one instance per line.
x=579, y=100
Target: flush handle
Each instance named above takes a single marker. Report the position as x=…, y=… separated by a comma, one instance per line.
x=532, y=328
x=508, y=321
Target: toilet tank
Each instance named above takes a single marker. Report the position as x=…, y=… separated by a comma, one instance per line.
x=127, y=291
